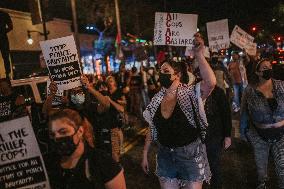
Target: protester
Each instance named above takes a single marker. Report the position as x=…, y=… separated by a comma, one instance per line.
x=6, y=26
x=79, y=98
x=80, y=165
x=136, y=93
x=12, y=105
x=177, y=124
x=122, y=78
x=218, y=136
x=117, y=110
x=238, y=75
x=220, y=71
x=251, y=60
x=263, y=107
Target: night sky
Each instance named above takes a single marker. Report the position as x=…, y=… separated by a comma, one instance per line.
x=246, y=13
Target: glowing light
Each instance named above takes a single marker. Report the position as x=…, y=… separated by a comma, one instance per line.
x=30, y=41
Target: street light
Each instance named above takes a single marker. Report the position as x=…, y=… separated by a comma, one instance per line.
x=30, y=40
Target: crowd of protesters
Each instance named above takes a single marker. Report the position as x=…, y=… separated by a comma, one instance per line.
x=187, y=105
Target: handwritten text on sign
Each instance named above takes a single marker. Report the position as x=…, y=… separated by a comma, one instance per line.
x=218, y=35
x=62, y=61
x=174, y=29
x=243, y=40
x=21, y=163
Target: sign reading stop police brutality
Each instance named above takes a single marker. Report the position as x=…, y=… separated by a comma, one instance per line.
x=243, y=40
x=174, y=29
x=218, y=35
x=21, y=163
x=62, y=60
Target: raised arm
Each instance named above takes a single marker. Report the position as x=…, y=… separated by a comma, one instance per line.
x=208, y=77
x=47, y=105
x=103, y=100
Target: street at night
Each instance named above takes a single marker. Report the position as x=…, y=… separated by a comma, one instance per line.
x=141, y=94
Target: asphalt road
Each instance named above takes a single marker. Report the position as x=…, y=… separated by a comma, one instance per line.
x=239, y=171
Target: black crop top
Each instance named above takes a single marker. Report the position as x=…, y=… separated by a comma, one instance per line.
x=174, y=131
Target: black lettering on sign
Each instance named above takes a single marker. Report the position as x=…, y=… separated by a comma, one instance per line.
x=22, y=173
x=65, y=71
x=14, y=147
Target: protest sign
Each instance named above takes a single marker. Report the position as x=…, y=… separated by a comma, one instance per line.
x=218, y=35
x=174, y=29
x=243, y=40
x=21, y=163
x=58, y=95
x=62, y=60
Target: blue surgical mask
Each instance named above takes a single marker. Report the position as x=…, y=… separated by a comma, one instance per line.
x=78, y=98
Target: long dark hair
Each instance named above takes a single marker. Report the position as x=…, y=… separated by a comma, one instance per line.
x=180, y=67
x=254, y=78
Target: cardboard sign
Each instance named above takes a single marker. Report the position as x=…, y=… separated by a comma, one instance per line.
x=218, y=35
x=58, y=96
x=62, y=60
x=21, y=163
x=243, y=40
x=174, y=29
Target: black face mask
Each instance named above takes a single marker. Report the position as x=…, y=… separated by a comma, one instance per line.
x=267, y=74
x=165, y=80
x=65, y=146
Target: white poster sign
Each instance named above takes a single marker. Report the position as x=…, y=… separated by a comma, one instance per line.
x=21, y=163
x=174, y=29
x=218, y=35
x=62, y=60
x=243, y=40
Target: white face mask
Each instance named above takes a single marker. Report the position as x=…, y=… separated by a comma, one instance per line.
x=78, y=98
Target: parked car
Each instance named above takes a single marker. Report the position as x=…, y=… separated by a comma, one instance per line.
x=33, y=88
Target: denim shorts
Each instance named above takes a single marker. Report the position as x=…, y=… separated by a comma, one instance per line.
x=183, y=164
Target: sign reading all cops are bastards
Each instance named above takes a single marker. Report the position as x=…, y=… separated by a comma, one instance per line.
x=62, y=60
x=21, y=162
x=174, y=29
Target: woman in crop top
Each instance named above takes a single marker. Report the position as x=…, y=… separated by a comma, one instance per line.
x=177, y=125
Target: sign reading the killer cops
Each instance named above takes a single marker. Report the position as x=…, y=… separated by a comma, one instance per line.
x=62, y=60
x=21, y=163
x=174, y=29
x=243, y=40
x=218, y=35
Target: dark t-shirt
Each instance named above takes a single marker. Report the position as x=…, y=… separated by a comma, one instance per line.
x=174, y=131
x=94, y=169
x=4, y=20
x=7, y=106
